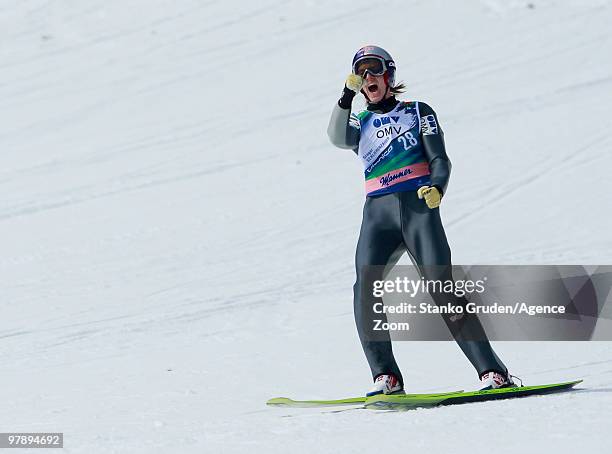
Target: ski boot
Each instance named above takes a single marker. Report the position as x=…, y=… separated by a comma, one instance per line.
x=386, y=384
x=495, y=380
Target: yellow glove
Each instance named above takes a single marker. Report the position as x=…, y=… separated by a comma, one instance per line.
x=354, y=82
x=431, y=195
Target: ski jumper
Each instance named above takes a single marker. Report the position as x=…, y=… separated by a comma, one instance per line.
x=401, y=146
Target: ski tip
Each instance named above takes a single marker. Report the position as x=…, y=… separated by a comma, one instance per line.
x=565, y=384
x=286, y=402
x=570, y=384
x=279, y=401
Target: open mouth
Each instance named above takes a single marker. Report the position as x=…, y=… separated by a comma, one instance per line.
x=372, y=88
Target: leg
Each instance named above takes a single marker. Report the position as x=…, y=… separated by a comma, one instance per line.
x=426, y=241
x=379, y=247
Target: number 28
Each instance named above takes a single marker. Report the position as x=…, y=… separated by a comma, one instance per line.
x=407, y=140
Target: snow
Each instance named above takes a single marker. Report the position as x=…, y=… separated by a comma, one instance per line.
x=177, y=234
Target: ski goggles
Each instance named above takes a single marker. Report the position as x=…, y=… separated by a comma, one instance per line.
x=372, y=65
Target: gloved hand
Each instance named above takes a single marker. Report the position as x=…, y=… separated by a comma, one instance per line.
x=431, y=194
x=351, y=88
x=354, y=82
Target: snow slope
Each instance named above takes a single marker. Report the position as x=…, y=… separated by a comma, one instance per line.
x=177, y=233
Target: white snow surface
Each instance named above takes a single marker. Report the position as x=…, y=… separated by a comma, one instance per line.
x=177, y=233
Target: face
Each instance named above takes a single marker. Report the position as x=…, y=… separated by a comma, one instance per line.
x=375, y=88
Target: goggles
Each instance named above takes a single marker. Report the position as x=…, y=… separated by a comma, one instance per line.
x=373, y=65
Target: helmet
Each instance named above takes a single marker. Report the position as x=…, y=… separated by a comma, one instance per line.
x=375, y=52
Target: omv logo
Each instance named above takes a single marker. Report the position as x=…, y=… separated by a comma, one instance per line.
x=378, y=122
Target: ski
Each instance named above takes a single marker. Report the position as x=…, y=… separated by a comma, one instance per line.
x=287, y=402
x=399, y=402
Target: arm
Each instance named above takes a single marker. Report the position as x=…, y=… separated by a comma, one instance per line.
x=435, y=150
x=342, y=132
